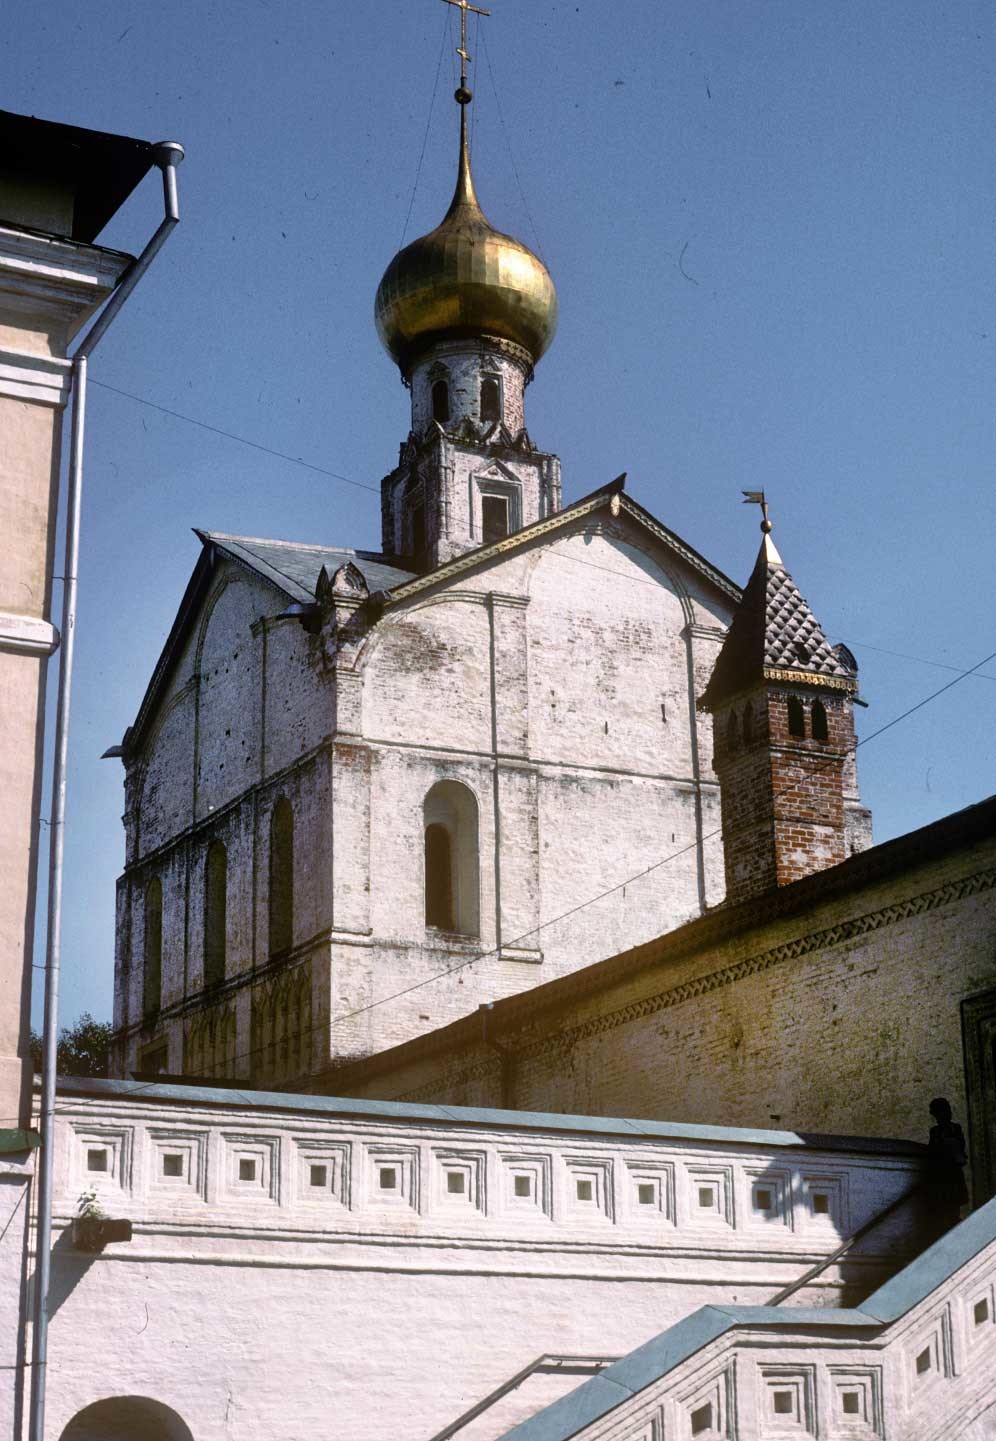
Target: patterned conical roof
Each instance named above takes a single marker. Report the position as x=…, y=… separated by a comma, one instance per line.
x=773, y=631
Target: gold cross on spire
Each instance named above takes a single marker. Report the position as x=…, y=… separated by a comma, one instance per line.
x=463, y=6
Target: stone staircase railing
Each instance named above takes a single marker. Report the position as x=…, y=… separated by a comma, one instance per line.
x=916, y=1361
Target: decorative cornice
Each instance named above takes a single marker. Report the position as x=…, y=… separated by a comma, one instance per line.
x=811, y=678
x=826, y=938
x=61, y=279
x=27, y=634
x=24, y=376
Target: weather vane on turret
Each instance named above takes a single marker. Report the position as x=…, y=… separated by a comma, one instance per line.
x=463, y=95
x=751, y=497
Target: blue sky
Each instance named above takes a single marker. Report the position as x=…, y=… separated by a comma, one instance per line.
x=771, y=229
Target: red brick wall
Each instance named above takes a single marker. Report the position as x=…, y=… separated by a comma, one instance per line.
x=782, y=795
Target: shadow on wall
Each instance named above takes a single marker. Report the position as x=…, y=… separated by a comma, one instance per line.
x=126, y=1418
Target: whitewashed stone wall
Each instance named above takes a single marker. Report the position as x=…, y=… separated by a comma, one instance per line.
x=295, y=1260
x=556, y=682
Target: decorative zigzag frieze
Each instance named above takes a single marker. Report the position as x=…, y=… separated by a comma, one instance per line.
x=825, y=939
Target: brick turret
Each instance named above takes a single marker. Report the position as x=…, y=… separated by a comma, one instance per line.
x=782, y=701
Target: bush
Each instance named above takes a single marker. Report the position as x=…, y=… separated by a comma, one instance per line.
x=84, y=1049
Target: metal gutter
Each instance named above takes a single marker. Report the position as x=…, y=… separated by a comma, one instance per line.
x=167, y=155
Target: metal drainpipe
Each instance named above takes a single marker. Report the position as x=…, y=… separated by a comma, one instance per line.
x=168, y=154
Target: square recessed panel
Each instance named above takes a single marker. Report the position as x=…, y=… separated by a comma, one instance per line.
x=704, y=1413
x=929, y=1354
x=251, y=1168
x=768, y=1198
x=322, y=1171
x=649, y=1192
x=709, y=1196
x=459, y=1178
x=787, y=1399
x=177, y=1164
x=525, y=1184
x=979, y=1317
x=588, y=1188
x=825, y=1205
x=393, y=1177
x=856, y=1401
x=101, y=1159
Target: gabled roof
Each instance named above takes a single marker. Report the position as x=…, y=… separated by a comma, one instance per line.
x=609, y=497
x=293, y=568
x=773, y=630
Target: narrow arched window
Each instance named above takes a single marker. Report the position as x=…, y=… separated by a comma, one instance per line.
x=819, y=721
x=796, y=717
x=215, y=913
x=438, y=877
x=747, y=724
x=418, y=528
x=152, y=977
x=452, y=864
x=490, y=399
x=281, y=877
x=440, y=401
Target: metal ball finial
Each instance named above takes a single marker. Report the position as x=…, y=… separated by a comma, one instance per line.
x=462, y=95
x=766, y=526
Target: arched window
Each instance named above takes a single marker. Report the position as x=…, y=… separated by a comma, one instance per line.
x=418, y=526
x=490, y=399
x=452, y=865
x=796, y=717
x=281, y=877
x=747, y=724
x=122, y=1418
x=152, y=976
x=819, y=721
x=215, y=913
x=440, y=401
x=438, y=877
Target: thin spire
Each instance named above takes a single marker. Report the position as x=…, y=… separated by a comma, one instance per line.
x=464, y=196
x=768, y=548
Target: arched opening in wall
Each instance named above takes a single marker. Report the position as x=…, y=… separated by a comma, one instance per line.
x=281, y=877
x=441, y=401
x=127, y=1418
x=418, y=526
x=152, y=973
x=796, y=717
x=452, y=862
x=818, y=720
x=215, y=913
x=490, y=398
x=747, y=724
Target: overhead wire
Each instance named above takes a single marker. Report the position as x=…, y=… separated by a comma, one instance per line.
x=428, y=123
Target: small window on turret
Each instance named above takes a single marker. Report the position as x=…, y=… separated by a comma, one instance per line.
x=490, y=399
x=796, y=716
x=819, y=721
x=440, y=401
x=494, y=518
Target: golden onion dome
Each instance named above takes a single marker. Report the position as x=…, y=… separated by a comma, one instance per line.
x=464, y=279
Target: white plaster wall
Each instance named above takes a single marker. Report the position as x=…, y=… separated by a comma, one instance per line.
x=272, y=1308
